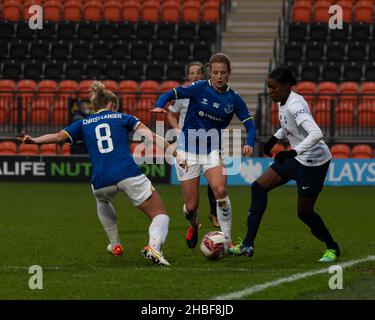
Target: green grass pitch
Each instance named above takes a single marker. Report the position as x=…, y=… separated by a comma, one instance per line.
x=56, y=226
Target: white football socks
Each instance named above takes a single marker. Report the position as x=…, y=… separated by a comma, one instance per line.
x=158, y=231
x=107, y=216
x=224, y=215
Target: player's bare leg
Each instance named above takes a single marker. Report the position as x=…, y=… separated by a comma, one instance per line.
x=190, y=190
x=217, y=180
x=154, y=208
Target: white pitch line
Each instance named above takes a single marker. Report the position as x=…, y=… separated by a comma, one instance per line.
x=298, y=276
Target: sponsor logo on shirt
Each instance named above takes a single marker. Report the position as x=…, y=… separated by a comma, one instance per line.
x=204, y=101
x=209, y=116
x=295, y=115
x=216, y=105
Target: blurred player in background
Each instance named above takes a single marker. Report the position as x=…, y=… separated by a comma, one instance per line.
x=306, y=163
x=105, y=135
x=212, y=105
x=176, y=118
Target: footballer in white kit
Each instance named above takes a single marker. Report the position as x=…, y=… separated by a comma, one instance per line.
x=307, y=163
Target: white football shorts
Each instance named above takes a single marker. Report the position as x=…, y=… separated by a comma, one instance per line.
x=138, y=189
x=197, y=163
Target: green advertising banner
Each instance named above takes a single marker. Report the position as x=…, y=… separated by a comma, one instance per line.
x=65, y=169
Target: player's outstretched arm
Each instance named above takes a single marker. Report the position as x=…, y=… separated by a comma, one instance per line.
x=58, y=137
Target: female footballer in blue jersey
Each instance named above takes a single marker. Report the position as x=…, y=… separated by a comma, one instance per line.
x=105, y=135
x=212, y=105
x=306, y=163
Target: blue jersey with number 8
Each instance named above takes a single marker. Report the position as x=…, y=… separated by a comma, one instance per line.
x=105, y=135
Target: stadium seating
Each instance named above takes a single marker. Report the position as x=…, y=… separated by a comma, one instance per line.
x=340, y=151
x=28, y=150
x=362, y=151
x=8, y=148
x=48, y=150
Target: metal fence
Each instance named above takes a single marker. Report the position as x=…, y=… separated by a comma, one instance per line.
x=342, y=117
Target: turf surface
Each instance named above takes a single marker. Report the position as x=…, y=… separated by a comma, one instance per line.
x=55, y=226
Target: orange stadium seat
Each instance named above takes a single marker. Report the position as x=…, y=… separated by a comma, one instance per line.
x=3, y=112
x=363, y=11
x=211, y=11
x=302, y=11
x=349, y=91
x=13, y=114
x=111, y=85
x=92, y=10
x=362, y=151
x=12, y=10
x=340, y=151
x=168, y=85
x=322, y=113
x=6, y=88
x=347, y=10
x=60, y=115
x=149, y=86
x=321, y=8
x=48, y=150
x=368, y=90
x=28, y=150
x=47, y=88
x=171, y=11
x=127, y=90
x=8, y=148
x=366, y=114
x=326, y=90
x=150, y=11
x=72, y=10
x=65, y=150
x=275, y=115
x=85, y=89
x=344, y=114
x=68, y=88
x=52, y=10
x=26, y=5
x=142, y=111
x=131, y=11
x=112, y=10
x=148, y=89
x=191, y=11
x=308, y=90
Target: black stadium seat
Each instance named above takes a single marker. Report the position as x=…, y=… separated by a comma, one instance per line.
x=293, y=51
x=3, y=48
x=93, y=70
x=207, y=31
x=360, y=31
x=335, y=51
x=319, y=31
x=353, y=71
x=11, y=69
x=154, y=70
x=139, y=50
x=53, y=70
x=175, y=71
x=371, y=53
x=297, y=31
x=160, y=50
x=145, y=31
x=340, y=34
x=74, y=70
x=66, y=30
x=202, y=51
x=32, y=69
x=114, y=70
x=181, y=51
x=331, y=71
x=80, y=49
x=314, y=51
x=18, y=49
x=120, y=50
x=126, y=30
x=60, y=49
x=24, y=31
x=370, y=71
x=86, y=30
x=186, y=31
x=107, y=30
x=134, y=71
x=310, y=71
x=166, y=31
x=100, y=49
x=357, y=51
x=39, y=49
x=7, y=29
x=48, y=31
x=294, y=67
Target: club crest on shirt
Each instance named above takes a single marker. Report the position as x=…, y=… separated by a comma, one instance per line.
x=228, y=108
